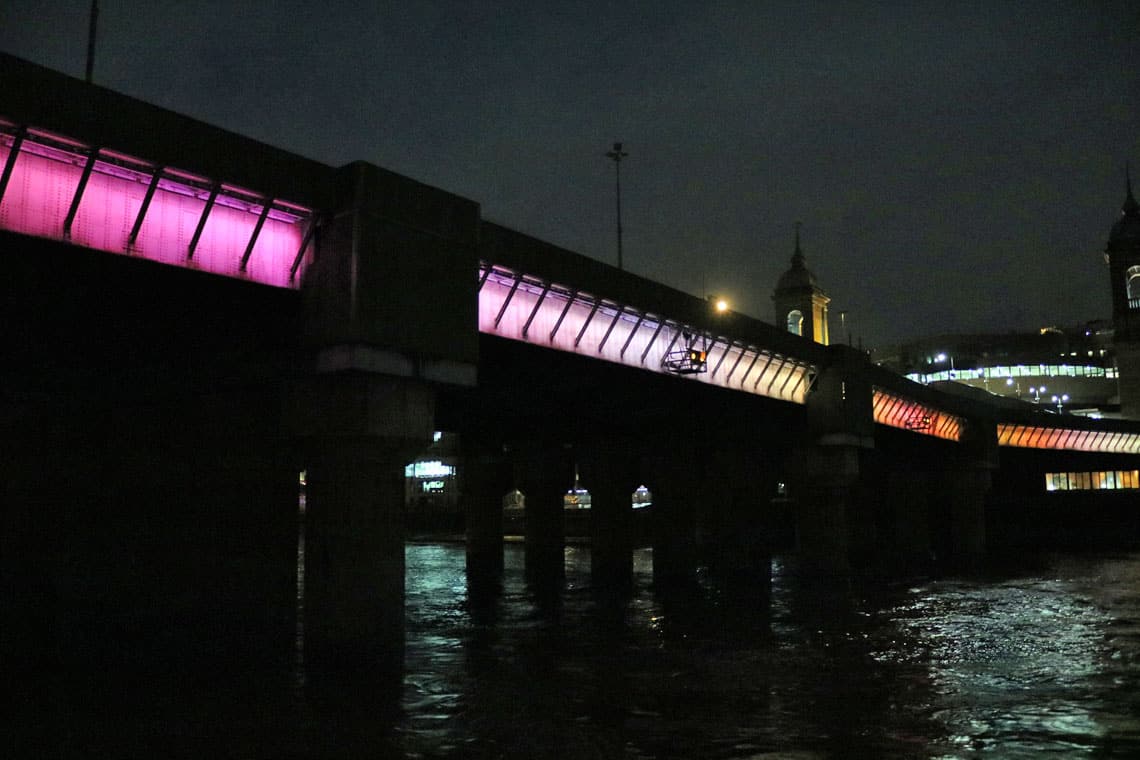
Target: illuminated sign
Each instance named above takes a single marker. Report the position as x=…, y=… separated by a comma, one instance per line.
x=432, y=469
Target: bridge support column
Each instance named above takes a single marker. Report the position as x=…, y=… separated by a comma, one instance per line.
x=826, y=478
x=677, y=486
x=962, y=493
x=741, y=553
x=484, y=481
x=544, y=480
x=354, y=556
x=610, y=474
x=907, y=513
x=357, y=433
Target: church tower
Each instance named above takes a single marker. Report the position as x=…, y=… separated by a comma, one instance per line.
x=1123, y=256
x=801, y=305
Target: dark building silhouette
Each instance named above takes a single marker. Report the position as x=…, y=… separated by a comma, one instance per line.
x=1123, y=256
x=1093, y=368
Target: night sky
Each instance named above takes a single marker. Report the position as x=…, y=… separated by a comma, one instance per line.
x=956, y=166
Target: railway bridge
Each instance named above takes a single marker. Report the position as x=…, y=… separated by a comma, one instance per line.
x=192, y=318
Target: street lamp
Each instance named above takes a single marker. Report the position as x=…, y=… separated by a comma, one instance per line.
x=945, y=357
x=617, y=154
x=1059, y=400
x=1037, y=393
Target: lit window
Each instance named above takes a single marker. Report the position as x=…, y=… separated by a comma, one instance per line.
x=1094, y=481
x=796, y=322
x=432, y=469
x=1132, y=285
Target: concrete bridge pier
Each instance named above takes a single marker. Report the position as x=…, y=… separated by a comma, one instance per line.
x=610, y=474
x=825, y=482
x=354, y=554
x=544, y=478
x=742, y=484
x=960, y=494
x=485, y=479
x=834, y=516
x=906, y=518
x=960, y=500
x=359, y=433
x=679, y=490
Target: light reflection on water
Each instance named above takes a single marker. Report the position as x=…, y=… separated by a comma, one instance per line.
x=1043, y=664
x=1047, y=664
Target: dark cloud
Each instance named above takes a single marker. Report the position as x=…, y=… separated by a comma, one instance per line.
x=956, y=166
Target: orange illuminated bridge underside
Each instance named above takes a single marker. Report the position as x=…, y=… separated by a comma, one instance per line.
x=1038, y=437
x=900, y=412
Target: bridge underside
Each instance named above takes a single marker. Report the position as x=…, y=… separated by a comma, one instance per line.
x=141, y=410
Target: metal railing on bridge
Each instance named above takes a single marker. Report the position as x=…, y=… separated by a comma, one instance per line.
x=527, y=308
x=1068, y=439
x=898, y=411
x=57, y=188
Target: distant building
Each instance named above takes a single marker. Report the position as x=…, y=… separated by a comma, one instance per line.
x=1071, y=370
x=1091, y=369
x=431, y=487
x=801, y=305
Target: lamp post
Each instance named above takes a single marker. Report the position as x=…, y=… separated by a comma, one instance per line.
x=1037, y=391
x=945, y=357
x=93, y=23
x=1059, y=400
x=617, y=154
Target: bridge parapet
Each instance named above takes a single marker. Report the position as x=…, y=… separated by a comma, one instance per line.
x=36, y=96
x=96, y=169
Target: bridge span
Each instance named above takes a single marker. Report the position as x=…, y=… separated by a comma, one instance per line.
x=194, y=317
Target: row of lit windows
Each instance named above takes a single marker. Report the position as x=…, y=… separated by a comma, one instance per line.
x=1005, y=372
x=1092, y=481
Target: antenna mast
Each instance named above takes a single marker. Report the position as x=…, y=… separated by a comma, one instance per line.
x=91, y=39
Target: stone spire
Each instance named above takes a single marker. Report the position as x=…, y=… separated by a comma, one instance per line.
x=1127, y=227
x=801, y=305
x=1130, y=205
x=798, y=261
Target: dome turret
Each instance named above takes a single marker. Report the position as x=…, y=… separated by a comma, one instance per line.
x=798, y=276
x=801, y=305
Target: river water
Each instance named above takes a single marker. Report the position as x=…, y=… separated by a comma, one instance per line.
x=1040, y=662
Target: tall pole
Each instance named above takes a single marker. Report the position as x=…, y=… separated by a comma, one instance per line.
x=91, y=39
x=617, y=154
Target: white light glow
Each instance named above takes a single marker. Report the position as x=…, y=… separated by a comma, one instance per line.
x=432, y=469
